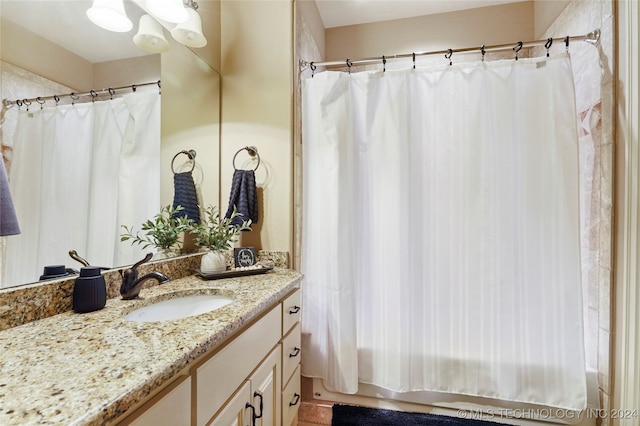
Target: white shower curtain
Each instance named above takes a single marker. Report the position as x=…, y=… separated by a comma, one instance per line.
x=79, y=172
x=440, y=242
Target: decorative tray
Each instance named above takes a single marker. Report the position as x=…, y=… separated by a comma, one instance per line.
x=233, y=273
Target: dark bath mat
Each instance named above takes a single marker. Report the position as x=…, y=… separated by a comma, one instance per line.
x=348, y=415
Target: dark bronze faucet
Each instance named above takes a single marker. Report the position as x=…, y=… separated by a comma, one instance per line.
x=131, y=284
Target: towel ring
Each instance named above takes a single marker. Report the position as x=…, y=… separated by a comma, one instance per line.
x=191, y=154
x=253, y=152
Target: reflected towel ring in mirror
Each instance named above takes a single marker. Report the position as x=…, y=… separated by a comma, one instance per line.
x=192, y=156
x=253, y=152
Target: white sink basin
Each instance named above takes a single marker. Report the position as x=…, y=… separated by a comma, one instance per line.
x=181, y=307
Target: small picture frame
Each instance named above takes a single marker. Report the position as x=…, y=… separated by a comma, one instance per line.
x=245, y=256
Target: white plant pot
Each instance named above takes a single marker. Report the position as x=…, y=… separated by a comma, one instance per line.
x=213, y=262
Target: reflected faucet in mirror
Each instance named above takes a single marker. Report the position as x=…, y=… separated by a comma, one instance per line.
x=131, y=284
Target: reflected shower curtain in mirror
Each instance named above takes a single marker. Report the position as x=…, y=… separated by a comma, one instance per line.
x=79, y=172
x=441, y=240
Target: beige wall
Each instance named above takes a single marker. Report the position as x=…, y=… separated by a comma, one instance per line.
x=545, y=13
x=38, y=55
x=488, y=25
x=33, y=53
x=257, y=75
x=126, y=72
x=190, y=120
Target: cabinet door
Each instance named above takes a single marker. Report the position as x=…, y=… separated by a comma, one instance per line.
x=236, y=412
x=265, y=391
x=173, y=409
x=221, y=375
x=291, y=399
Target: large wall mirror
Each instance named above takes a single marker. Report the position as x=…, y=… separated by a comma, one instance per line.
x=50, y=47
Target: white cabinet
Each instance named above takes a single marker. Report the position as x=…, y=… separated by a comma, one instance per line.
x=220, y=376
x=291, y=399
x=173, y=408
x=265, y=391
x=291, y=348
x=236, y=412
x=253, y=380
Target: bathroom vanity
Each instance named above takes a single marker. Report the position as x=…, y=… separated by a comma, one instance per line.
x=238, y=363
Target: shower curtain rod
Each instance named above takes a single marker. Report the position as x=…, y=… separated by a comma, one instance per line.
x=593, y=37
x=93, y=93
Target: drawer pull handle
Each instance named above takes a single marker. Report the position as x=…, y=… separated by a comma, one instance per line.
x=295, y=310
x=297, y=397
x=253, y=413
x=256, y=395
x=296, y=351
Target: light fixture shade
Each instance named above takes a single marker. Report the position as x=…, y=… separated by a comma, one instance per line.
x=110, y=15
x=150, y=36
x=189, y=33
x=168, y=10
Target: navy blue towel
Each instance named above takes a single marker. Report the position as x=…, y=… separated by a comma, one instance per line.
x=244, y=196
x=185, y=196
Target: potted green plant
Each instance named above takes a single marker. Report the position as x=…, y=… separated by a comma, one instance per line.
x=217, y=234
x=162, y=232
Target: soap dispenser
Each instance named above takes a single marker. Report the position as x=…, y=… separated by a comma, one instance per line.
x=89, y=290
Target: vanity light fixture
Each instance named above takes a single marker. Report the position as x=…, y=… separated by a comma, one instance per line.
x=110, y=15
x=172, y=11
x=189, y=32
x=150, y=36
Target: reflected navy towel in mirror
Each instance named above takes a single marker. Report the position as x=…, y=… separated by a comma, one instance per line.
x=185, y=196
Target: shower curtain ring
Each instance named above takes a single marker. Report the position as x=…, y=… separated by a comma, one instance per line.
x=74, y=98
x=26, y=102
x=313, y=68
x=159, y=87
x=111, y=92
x=566, y=43
x=349, y=64
x=40, y=101
x=548, y=44
x=483, y=51
x=517, y=49
x=93, y=94
x=56, y=98
x=384, y=63
x=448, y=55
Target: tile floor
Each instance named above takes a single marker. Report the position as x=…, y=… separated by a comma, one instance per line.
x=313, y=412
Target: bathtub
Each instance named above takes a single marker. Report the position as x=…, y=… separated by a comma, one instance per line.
x=469, y=407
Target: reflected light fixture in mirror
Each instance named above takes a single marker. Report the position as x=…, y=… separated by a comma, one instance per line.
x=168, y=10
x=110, y=15
x=189, y=32
x=150, y=36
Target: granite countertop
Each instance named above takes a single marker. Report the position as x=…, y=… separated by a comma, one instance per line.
x=90, y=368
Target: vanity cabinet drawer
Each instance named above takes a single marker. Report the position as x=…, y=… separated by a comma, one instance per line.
x=291, y=398
x=290, y=353
x=223, y=373
x=291, y=308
